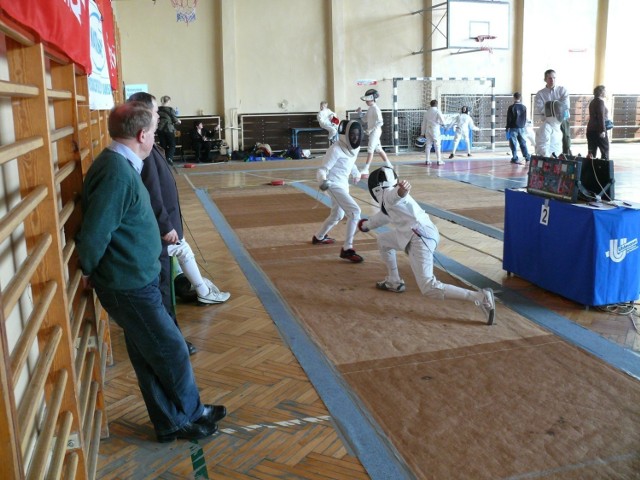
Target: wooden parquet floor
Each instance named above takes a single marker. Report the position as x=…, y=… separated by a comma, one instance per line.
x=277, y=427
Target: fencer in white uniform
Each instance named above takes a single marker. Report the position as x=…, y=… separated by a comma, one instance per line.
x=462, y=123
x=411, y=230
x=552, y=106
x=333, y=176
x=373, y=123
x=430, y=129
x=325, y=119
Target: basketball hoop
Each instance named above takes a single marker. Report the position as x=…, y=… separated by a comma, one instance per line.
x=185, y=10
x=482, y=38
x=481, y=48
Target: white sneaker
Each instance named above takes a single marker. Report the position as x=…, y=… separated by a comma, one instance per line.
x=488, y=305
x=440, y=162
x=214, y=295
x=428, y=162
x=391, y=287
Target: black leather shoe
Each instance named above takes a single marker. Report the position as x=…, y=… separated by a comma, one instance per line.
x=192, y=348
x=213, y=413
x=191, y=431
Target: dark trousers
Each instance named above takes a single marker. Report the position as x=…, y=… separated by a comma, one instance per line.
x=595, y=141
x=168, y=144
x=565, y=128
x=202, y=150
x=158, y=355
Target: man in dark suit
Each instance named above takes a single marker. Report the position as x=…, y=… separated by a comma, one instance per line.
x=163, y=192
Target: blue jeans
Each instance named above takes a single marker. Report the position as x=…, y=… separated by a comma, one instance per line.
x=517, y=134
x=158, y=354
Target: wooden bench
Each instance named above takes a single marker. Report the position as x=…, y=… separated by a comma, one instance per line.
x=296, y=130
x=277, y=130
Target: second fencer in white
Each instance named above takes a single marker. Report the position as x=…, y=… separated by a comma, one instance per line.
x=333, y=177
x=462, y=124
x=430, y=129
x=410, y=229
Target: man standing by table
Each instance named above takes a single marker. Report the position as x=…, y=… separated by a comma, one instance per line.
x=552, y=106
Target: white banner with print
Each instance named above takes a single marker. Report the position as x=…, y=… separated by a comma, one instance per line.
x=100, y=95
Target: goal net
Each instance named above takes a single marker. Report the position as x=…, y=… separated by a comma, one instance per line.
x=411, y=98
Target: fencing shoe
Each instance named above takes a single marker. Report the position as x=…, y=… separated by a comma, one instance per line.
x=213, y=295
x=350, y=255
x=324, y=240
x=440, y=162
x=451, y=156
x=428, y=162
x=488, y=305
x=391, y=287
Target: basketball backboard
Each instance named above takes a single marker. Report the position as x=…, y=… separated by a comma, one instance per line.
x=468, y=25
x=471, y=21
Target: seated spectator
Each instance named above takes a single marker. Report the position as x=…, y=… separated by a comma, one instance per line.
x=202, y=141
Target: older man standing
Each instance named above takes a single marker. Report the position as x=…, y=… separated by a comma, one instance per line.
x=552, y=106
x=119, y=246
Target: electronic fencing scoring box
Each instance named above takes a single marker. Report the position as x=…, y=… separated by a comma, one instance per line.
x=556, y=178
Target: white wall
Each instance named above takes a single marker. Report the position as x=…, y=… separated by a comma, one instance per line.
x=284, y=48
x=172, y=58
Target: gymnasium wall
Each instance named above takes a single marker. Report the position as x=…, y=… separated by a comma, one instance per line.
x=285, y=56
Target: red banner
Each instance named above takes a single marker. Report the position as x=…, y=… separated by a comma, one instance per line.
x=60, y=24
x=108, y=33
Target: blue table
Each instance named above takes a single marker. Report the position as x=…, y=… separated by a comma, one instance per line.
x=586, y=255
x=296, y=131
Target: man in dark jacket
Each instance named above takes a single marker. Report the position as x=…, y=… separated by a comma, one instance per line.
x=167, y=122
x=163, y=192
x=516, y=124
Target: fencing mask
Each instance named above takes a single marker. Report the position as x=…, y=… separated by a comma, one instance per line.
x=349, y=136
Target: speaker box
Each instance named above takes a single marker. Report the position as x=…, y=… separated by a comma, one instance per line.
x=596, y=179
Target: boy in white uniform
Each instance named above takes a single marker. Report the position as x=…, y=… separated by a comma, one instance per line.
x=373, y=124
x=340, y=164
x=462, y=124
x=411, y=230
x=326, y=120
x=430, y=129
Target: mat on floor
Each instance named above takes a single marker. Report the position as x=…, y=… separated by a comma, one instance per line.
x=457, y=399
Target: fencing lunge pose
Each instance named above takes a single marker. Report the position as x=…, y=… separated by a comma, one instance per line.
x=430, y=129
x=373, y=125
x=411, y=230
x=462, y=124
x=328, y=120
x=340, y=164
